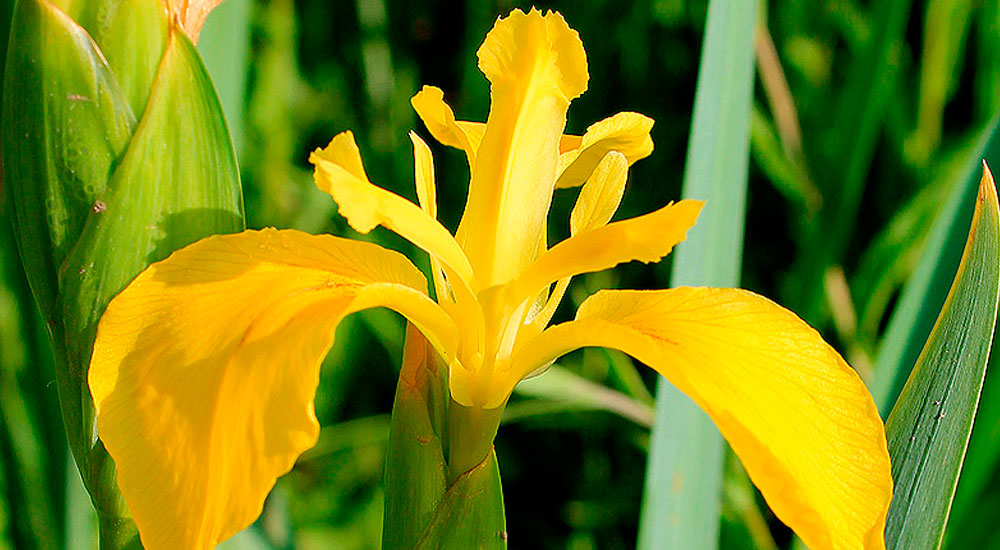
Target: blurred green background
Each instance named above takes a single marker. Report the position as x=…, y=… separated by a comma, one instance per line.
x=865, y=117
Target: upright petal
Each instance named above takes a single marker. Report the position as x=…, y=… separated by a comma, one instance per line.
x=340, y=173
x=796, y=414
x=596, y=204
x=423, y=175
x=626, y=133
x=205, y=369
x=601, y=195
x=536, y=66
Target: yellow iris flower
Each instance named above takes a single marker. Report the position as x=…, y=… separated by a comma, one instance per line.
x=205, y=368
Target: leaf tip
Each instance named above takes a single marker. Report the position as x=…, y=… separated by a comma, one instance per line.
x=987, y=187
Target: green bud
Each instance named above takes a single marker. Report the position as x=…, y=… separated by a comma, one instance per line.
x=116, y=153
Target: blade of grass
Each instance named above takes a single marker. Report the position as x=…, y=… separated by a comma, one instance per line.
x=682, y=494
x=929, y=428
x=946, y=24
x=575, y=392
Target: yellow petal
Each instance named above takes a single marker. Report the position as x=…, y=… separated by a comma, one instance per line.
x=536, y=65
x=798, y=416
x=596, y=204
x=626, y=133
x=440, y=121
x=456, y=299
x=423, y=170
x=205, y=369
x=340, y=173
x=601, y=195
x=430, y=106
x=646, y=238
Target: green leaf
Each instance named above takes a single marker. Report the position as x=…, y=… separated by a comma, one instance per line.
x=224, y=43
x=859, y=114
x=685, y=445
x=574, y=392
x=925, y=291
x=928, y=430
x=415, y=469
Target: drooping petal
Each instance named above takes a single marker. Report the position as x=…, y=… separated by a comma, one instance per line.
x=205, y=369
x=798, y=416
x=439, y=118
x=645, y=238
x=340, y=173
x=626, y=133
x=536, y=66
x=440, y=121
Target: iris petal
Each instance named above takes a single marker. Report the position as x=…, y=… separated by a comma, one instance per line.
x=440, y=121
x=796, y=414
x=205, y=369
x=626, y=133
x=596, y=204
x=340, y=173
x=645, y=238
x=536, y=65
x=601, y=195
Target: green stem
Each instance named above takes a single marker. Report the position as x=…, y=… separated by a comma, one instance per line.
x=471, y=431
x=118, y=533
x=97, y=469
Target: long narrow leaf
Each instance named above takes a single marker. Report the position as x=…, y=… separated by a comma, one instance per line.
x=925, y=292
x=929, y=428
x=681, y=501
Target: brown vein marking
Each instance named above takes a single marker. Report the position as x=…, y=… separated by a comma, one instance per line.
x=657, y=337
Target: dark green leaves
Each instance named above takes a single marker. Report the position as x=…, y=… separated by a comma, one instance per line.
x=929, y=428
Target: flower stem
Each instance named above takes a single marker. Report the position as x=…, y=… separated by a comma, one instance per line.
x=471, y=431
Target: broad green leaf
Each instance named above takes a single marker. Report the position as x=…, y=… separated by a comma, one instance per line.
x=685, y=444
x=980, y=468
x=928, y=430
x=224, y=43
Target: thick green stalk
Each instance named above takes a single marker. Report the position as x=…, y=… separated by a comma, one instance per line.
x=434, y=502
x=471, y=431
